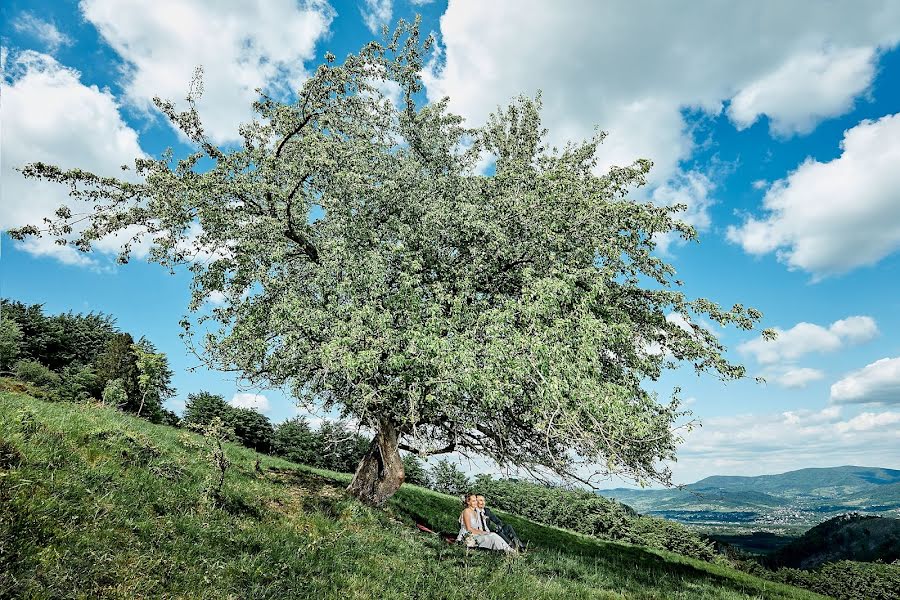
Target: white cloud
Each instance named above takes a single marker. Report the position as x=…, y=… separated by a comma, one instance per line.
x=376, y=13
x=869, y=421
x=242, y=46
x=691, y=189
x=50, y=116
x=806, y=89
x=256, y=402
x=607, y=64
x=829, y=218
x=855, y=330
x=44, y=31
x=757, y=444
x=876, y=382
x=216, y=298
x=804, y=338
x=798, y=378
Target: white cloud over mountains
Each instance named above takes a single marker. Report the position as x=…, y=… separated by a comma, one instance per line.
x=242, y=46
x=757, y=444
x=878, y=382
x=805, y=338
x=828, y=218
x=50, y=116
x=632, y=68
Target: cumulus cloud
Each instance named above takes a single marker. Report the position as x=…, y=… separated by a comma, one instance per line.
x=829, y=218
x=806, y=89
x=869, y=421
x=798, y=377
x=241, y=46
x=693, y=190
x=804, y=338
x=376, y=13
x=44, y=31
x=607, y=64
x=756, y=444
x=216, y=298
x=878, y=382
x=50, y=116
x=256, y=402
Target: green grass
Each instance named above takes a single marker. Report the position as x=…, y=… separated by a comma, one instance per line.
x=95, y=503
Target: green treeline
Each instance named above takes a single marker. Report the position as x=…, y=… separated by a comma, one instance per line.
x=80, y=357
x=76, y=357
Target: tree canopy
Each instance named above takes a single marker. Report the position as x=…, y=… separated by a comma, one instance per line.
x=368, y=266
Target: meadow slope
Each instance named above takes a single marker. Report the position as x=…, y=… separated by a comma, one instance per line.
x=96, y=503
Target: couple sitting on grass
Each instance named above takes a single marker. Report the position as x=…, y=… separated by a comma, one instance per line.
x=475, y=532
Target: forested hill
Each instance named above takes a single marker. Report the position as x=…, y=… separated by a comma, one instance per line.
x=806, y=496
x=858, y=537
x=98, y=503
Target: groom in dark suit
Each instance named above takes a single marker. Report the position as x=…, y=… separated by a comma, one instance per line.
x=491, y=522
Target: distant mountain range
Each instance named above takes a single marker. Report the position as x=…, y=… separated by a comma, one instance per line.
x=803, y=497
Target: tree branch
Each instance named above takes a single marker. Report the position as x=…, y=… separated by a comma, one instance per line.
x=294, y=132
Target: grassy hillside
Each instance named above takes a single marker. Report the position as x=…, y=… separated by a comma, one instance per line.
x=100, y=504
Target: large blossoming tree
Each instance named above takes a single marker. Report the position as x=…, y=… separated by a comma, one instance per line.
x=365, y=264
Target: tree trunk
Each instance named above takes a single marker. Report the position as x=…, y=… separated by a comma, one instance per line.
x=380, y=472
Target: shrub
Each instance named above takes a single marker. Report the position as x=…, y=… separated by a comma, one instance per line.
x=214, y=433
x=78, y=383
x=846, y=580
x=36, y=373
x=114, y=393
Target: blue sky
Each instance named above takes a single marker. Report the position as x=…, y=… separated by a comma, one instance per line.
x=777, y=123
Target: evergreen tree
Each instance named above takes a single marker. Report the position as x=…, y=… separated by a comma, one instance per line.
x=118, y=361
x=414, y=471
x=62, y=340
x=10, y=343
x=37, y=331
x=167, y=417
x=201, y=408
x=295, y=441
x=80, y=337
x=446, y=477
x=251, y=429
